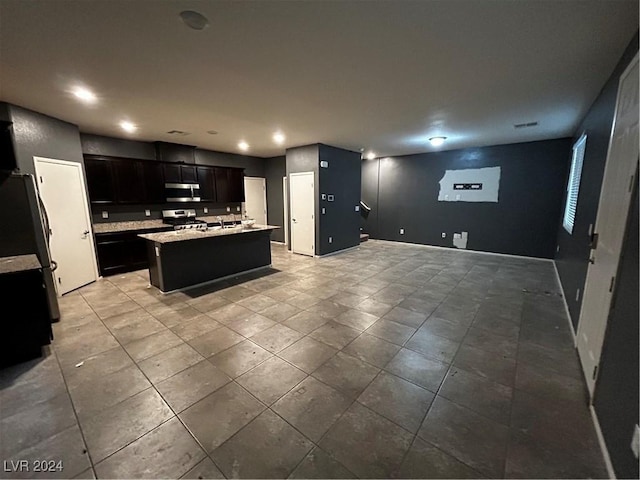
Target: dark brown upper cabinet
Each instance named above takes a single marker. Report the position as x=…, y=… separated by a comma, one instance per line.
x=175, y=173
x=222, y=185
x=129, y=180
x=100, y=180
x=236, y=185
x=153, y=182
x=206, y=179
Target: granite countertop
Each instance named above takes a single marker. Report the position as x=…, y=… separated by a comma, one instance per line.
x=226, y=218
x=19, y=263
x=193, y=234
x=113, y=227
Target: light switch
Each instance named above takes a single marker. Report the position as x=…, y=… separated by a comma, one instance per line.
x=357, y=208
x=206, y=210
x=238, y=208
x=324, y=164
x=105, y=214
x=228, y=209
x=402, y=231
x=330, y=198
x=330, y=239
x=323, y=196
x=444, y=235
x=324, y=210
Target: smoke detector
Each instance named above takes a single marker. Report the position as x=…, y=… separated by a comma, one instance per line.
x=526, y=125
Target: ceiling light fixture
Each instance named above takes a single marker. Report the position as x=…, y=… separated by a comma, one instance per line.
x=437, y=141
x=371, y=155
x=128, y=126
x=212, y=132
x=194, y=20
x=84, y=94
x=278, y=137
x=244, y=146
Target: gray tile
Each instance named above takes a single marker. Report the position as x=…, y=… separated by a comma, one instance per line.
x=444, y=328
x=473, y=439
x=303, y=300
x=153, y=344
x=398, y=400
x=498, y=326
x=271, y=380
x=121, y=424
x=356, y=319
x=205, y=469
x=176, y=314
x=405, y=317
x=391, y=331
x=166, y=452
x=347, y=299
x=266, y=448
x=417, y=368
x=433, y=346
x=191, y=385
x=367, y=444
x=312, y=407
x=282, y=294
x=499, y=368
x=102, y=392
x=215, y=341
x=335, y=334
x=318, y=464
x=328, y=309
x=257, y=303
x=36, y=424
x=305, y=322
x=229, y=313
x=280, y=312
x=247, y=327
x=169, y=362
x=547, y=384
x=373, y=307
x=419, y=306
x=236, y=293
x=64, y=452
x=372, y=350
x=97, y=366
x=240, y=358
x=276, y=338
x=138, y=329
x=560, y=361
x=426, y=461
x=308, y=354
x=490, y=342
x=346, y=374
x=221, y=414
x=195, y=327
x=479, y=394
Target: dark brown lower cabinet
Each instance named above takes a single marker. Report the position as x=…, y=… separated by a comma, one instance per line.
x=122, y=251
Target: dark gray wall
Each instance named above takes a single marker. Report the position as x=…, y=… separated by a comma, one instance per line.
x=117, y=147
x=4, y=112
x=341, y=179
x=274, y=169
x=523, y=221
x=616, y=397
x=306, y=159
x=369, y=221
x=253, y=166
x=39, y=135
x=572, y=258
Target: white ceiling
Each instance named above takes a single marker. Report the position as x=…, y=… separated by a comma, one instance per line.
x=379, y=75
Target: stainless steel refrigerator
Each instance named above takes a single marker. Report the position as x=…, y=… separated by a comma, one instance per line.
x=24, y=229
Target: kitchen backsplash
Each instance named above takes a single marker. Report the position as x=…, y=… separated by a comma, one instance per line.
x=125, y=213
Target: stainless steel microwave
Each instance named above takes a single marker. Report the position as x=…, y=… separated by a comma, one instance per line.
x=182, y=192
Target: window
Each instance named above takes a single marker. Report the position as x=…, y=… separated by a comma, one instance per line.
x=574, y=183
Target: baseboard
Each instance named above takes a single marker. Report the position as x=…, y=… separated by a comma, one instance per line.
x=603, y=445
x=337, y=252
x=215, y=280
x=566, y=306
x=438, y=247
x=278, y=243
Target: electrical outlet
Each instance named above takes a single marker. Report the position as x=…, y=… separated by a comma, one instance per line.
x=206, y=210
x=238, y=208
x=323, y=196
x=444, y=235
x=577, y=295
x=228, y=209
x=105, y=214
x=330, y=197
x=324, y=164
x=635, y=440
x=147, y=213
x=357, y=208
x=402, y=231
x=330, y=239
x=324, y=210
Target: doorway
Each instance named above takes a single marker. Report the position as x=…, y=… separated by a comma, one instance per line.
x=255, y=203
x=302, y=198
x=63, y=192
x=613, y=210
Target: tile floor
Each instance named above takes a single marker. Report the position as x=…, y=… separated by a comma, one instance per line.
x=389, y=361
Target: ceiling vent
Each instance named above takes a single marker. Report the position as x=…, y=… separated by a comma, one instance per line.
x=525, y=125
x=178, y=133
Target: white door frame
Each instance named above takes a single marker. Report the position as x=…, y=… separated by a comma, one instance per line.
x=263, y=182
x=285, y=206
x=85, y=200
x=593, y=321
x=313, y=223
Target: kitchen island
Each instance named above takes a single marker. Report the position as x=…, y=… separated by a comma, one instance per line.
x=185, y=258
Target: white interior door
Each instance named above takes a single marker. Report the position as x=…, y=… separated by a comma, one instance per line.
x=255, y=199
x=62, y=189
x=613, y=209
x=302, y=195
x=285, y=204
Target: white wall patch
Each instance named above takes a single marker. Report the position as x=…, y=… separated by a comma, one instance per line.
x=470, y=185
x=460, y=240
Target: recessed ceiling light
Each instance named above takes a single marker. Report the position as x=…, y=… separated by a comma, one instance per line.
x=278, y=137
x=244, y=146
x=194, y=20
x=84, y=94
x=128, y=126
x=371, y=155
x=437, y=141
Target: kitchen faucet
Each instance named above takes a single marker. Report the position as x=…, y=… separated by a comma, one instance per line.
x=221, y=221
